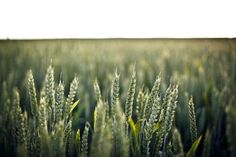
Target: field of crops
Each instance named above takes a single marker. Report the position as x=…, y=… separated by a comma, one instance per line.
x=144, y=97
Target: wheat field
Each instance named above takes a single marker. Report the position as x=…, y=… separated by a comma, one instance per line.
x=118, y=97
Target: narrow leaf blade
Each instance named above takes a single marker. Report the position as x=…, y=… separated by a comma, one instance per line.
x=74, y=105
x=192, y=150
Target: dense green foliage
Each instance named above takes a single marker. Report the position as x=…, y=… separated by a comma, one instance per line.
x=118, y=98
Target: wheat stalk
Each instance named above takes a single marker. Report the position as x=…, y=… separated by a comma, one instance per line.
x=59, y=139
x=177, y=143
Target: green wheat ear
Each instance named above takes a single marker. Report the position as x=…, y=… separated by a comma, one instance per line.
x=20, y=124
x=171, y=107
x=49, y=87
x=97, y=91
x=167, y=115
x=59, y=102
x=68, y=138
x=139, y=102
x=100, y=134
x=115, y=88
x=50, y=96
x=119, y=138
x=150, y=126
x=67, y=131
x=192, y=120
x=69, y=101
x=152, y=96
x=130, y=99
x=140, y=106
x=153, y=101
x=32, y=95
x=42, y=115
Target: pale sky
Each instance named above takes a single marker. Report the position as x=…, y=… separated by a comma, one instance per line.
x=116, y=19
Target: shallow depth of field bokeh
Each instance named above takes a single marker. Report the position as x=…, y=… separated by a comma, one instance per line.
x=203, y=68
